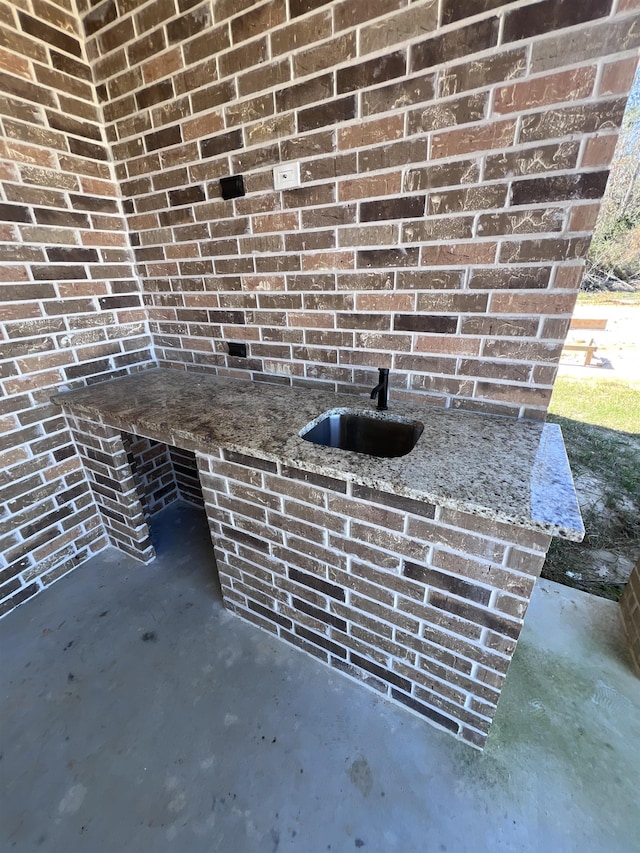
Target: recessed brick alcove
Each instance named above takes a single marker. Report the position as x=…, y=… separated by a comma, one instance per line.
x=132, y=478
x=163, y=473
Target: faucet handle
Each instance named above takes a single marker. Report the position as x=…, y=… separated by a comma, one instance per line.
x=382, y=388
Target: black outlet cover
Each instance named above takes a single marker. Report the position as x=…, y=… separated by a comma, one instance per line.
x=232, y=187
x=239, y=350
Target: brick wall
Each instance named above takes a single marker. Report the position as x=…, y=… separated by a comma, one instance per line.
x=453, y=157
x=71, y=308
x=421, y=603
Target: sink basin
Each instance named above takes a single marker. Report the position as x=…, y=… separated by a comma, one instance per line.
x=364, y=432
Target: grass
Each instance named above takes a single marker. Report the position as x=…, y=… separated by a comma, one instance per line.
x=609, y=297
x=608, y=403
x=600, y=421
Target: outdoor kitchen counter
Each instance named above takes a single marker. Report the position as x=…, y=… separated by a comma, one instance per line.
x=500, y=468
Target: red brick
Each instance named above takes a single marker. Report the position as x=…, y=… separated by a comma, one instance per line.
x=532, y=304
x=543, y=249
x=556, y=88
x=328, y=261
x=599, y=150
x=583, y=217
x=446, y=344
x=312, y=320
x=258, y=21
x=393, y=29
x=162, y=66
x=617, y=77
x=369, y=133
x=366, y=187
x=14, y=64
x=327, y=55
x=460, y=254
x=386, y=302
x=470, y=139
x=301, y=33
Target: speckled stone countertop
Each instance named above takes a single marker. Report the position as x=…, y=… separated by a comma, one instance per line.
x=500, y=468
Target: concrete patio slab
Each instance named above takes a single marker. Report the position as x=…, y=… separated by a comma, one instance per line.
x=138, y=716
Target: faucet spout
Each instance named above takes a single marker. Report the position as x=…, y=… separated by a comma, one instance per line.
x=382, y=389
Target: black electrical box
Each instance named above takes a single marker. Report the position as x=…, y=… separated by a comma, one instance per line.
x=239, y=350
x=232, y=187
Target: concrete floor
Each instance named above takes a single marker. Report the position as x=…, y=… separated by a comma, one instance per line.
x=138, y=716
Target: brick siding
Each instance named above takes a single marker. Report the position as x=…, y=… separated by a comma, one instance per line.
x=72, y=308
x=421, y=603
x=452, y=162
x=453, y=157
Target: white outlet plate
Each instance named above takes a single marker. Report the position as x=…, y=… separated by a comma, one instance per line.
x=286, y=175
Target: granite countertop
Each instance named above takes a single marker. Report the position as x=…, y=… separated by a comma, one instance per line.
x=500, y=468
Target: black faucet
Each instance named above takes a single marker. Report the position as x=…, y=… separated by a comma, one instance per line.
x=382, y=388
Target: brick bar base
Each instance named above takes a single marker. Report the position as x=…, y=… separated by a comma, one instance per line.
x=114, y=486
x=421, y=603
x=630, y=611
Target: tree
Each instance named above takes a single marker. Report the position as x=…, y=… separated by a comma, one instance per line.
x=614, y=256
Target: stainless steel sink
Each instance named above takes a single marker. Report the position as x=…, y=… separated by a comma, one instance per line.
x=364, y=432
